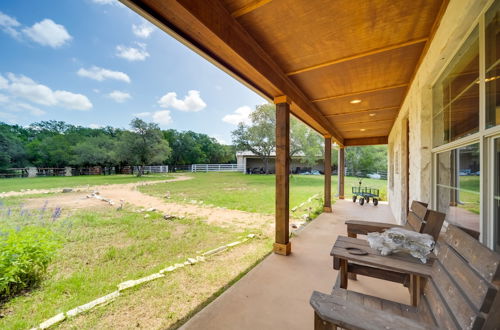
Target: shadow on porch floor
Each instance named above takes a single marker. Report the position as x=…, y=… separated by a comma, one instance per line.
x=275, y=294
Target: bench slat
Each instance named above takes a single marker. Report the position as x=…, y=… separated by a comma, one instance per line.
x=454, y=298
x=434, y=223
x=356, y=316
x=438, y=307
x=415, y=222
x=478, y=290
x=419, y=208
x=479, y=257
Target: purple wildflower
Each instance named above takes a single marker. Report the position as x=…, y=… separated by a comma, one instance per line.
x=56, y=214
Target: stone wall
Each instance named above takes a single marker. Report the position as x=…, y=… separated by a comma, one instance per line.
x=459, y=18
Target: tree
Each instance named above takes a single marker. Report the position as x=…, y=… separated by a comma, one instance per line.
x=305, y=142
x=259, y=137
x=366, y=159
x=12, y=151
x=96, y=150
x=143, y=144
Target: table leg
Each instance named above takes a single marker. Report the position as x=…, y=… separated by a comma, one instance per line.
x=343, y=273
x=351, y=275
x=414, y=289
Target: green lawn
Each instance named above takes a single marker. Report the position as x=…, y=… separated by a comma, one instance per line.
x=17, y=184
x=469, y=193
x=252, y=193
x=105, y=247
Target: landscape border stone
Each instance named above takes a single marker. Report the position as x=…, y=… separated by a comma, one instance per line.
x=132, y=283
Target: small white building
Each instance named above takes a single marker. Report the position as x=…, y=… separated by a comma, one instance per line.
x=255, y=164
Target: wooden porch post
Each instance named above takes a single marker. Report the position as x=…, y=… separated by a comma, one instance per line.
x=282, y=244
x=328, y=175
x=341, y=171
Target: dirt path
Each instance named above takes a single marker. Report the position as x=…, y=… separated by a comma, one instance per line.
x=89, y=188
x=128, y=193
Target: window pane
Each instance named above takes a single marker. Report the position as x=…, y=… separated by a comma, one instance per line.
x=496, y=194
x=456, y=95
x=458, y=186
x=492, y=65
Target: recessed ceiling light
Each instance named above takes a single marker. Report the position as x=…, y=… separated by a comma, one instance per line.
x=355, y=101
x=371, y=114
x=363, y=129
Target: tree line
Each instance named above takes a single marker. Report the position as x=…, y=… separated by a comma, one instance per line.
x=58, y=144
x=258, y=137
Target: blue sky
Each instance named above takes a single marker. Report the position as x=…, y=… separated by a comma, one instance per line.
x=97, y=63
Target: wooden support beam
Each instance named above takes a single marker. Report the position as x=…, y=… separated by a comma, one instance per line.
x=359, y=92
x=356, y=56
x=341, y=172
x=249, y=8
x=282, y=240
x=369, y=141
x=328, y=175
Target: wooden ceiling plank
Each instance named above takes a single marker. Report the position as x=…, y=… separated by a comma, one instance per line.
x=356, y=56
x=366, y=141
x=214, y=16
x=361, y=111
x=249, y=8
x=359, y=92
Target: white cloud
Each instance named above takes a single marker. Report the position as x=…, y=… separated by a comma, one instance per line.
x=191, y=103
x=219, y=139
x=94, y=126
x=119, y=97
x=162, y=117
x=142, y=31
x=4, y=98
x=72, y=101
x=26, y=88
x=48, y=33
x=8, y=25
x=132, y=54
x=101, y=74
x=3, y=82
x=142, y=114
x=240, y=115
x=8, y=117
x=31, y=109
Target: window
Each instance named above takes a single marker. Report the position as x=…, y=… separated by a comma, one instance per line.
x=492, y=76
x=496, y=190
x=458, y=180
x=456, y=95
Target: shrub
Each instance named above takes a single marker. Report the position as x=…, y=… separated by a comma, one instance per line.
x=25, y=254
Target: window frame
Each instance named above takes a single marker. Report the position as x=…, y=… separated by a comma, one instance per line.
x=485, y=136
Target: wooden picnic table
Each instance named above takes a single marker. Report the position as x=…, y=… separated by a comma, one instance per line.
x=397, y=267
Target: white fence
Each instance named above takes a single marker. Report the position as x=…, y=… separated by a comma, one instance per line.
x=217, y=168
x=153, y=169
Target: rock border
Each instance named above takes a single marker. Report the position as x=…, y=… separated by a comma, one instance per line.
x=133, y=283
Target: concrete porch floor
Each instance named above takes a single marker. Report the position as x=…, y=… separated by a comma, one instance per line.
x=275, y=294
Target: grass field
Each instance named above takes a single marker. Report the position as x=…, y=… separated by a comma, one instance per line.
x=18, y=184
x=252, y=193
x=105, y=247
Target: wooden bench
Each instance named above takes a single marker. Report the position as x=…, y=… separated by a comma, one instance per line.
x=461, y=293
x=420, y=219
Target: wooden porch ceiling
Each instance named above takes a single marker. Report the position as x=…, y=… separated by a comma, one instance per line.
x=322, y=54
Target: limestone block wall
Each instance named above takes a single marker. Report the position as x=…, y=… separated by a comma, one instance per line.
x=459, y=18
